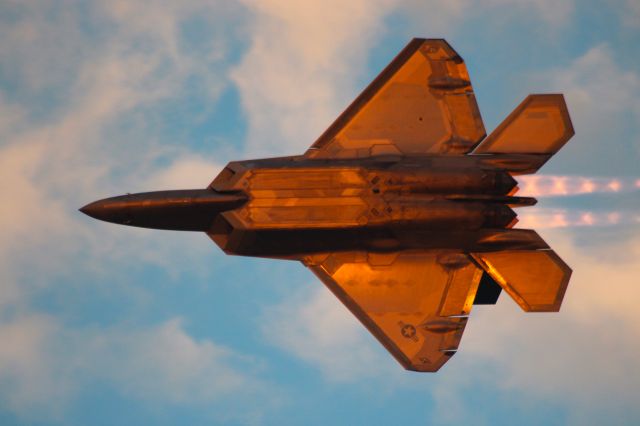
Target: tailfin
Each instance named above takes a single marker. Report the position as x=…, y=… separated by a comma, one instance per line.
x=535, y=130
x=535, y=279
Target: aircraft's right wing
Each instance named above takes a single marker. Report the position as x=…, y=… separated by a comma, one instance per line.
x=422, y=103
x=416, y=303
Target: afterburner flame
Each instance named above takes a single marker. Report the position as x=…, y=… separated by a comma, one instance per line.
x=565, y=218
x=557, y=186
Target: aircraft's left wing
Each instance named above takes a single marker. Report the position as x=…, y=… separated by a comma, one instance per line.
x=422, y=103
x=416, y=303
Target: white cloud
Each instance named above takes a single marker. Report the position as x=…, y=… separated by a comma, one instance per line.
x=166, y=363
x=441, y=17
x=304, y=58
x=551, y=12
x=98, y=135
x=301, y=60
x=314, y=326
x=596, y=85
x=28, y=384
x=36, y=40
x=602, y=101
x=104, y=91
x=187, y=172
x=44, y=365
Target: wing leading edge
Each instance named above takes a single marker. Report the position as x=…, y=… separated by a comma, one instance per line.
x=422, y=103
x=415, y=303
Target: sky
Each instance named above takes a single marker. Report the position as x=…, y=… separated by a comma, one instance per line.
x=102, y=324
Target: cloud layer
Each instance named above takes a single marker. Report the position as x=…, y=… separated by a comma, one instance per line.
x=160, y=364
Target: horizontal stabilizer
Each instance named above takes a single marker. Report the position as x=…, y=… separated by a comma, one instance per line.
x=535, y=279
x=539, y=126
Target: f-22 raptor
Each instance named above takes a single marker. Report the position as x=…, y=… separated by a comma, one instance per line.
x=402, y=207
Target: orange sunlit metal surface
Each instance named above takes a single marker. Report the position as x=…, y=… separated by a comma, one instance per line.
x=421, y=103
x=400, y=208
x=415, y=303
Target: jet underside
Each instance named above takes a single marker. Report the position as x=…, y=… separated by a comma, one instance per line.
x=402, y=207
x=296, y=207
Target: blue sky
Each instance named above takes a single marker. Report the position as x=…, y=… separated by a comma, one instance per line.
x=102, y=324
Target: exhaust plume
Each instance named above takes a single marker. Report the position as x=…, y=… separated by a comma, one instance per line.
x=565, y=218
x=558, y=186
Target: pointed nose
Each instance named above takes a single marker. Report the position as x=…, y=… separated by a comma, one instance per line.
x=95, y=209
x=181, y=210
x=114, y=210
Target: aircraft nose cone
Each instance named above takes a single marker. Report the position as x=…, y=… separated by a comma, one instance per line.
x=114, y=210
x=179, y=210
x=93, y=209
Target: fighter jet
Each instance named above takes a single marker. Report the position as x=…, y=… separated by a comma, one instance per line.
x=402, y=207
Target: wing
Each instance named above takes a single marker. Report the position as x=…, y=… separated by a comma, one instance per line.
x=422, y=103
x=415, y=303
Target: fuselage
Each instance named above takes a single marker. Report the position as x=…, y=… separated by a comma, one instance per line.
x=292, y=206
x=297, y=205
